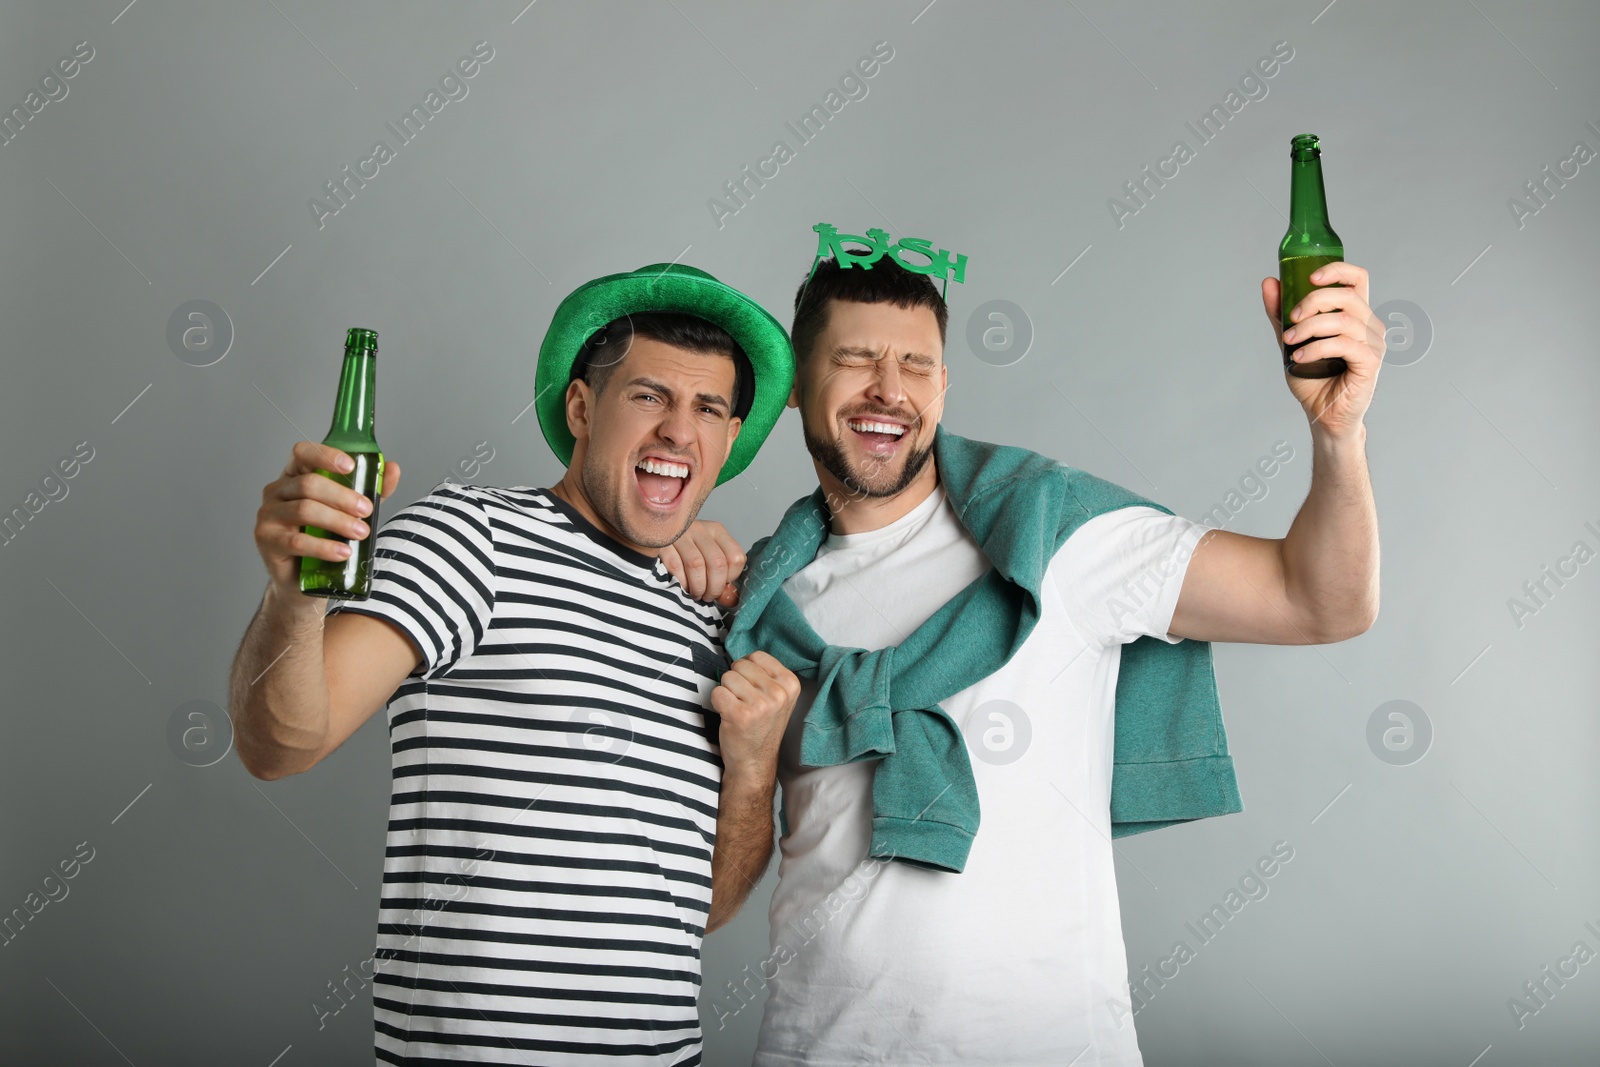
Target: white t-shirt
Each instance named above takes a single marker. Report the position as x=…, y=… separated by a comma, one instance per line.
x=1018, y=959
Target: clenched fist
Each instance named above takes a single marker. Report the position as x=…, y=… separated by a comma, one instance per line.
x=755, y=698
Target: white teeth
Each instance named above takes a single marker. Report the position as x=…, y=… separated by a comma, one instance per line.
x=877, y=427
x=671, y=470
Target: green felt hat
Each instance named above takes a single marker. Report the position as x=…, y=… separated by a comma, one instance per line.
x=667, y=287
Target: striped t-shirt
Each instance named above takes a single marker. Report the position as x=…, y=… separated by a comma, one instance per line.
x=548, y=871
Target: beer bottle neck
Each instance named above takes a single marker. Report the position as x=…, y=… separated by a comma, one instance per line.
x=355, y=410
x=1308, y=203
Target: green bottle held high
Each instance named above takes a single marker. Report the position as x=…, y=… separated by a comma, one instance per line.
x=354, y=415
x=1309, y=244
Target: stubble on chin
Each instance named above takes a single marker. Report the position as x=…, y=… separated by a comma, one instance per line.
x=877, y=480
x=607, y=500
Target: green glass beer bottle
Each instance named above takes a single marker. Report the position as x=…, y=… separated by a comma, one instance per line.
x=1309, y=244
x=354, y=413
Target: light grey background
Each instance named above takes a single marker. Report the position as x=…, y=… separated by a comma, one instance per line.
x=216, y=908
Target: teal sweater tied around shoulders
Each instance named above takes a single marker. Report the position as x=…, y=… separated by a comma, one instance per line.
x=1171, y=761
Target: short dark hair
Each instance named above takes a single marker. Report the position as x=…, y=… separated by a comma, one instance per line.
x=886, y=283
x=605, y=348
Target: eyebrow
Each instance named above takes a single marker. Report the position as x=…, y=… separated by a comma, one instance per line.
x=720, y=402
x=856, y=350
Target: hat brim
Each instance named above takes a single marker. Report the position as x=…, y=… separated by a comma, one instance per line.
x=666, y=287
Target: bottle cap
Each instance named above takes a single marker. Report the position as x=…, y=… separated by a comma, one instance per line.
x=358, y=338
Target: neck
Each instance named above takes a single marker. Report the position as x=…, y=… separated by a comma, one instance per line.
x=570, y=489
x=860, y=514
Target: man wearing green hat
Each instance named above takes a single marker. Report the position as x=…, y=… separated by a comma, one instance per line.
x=567, y=820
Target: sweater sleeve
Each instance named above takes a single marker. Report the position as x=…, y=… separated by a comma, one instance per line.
x=1120, y=573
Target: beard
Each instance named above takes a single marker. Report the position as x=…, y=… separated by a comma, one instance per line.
x=605, y=495
x=874, y=479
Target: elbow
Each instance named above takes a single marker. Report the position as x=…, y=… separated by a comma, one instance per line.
x=268, y=764
x=1344, y=628
x=718, y=918
x=269, y=751
x=272, y=770
x=266, y=774
x=1367, y=618
x=260, y=769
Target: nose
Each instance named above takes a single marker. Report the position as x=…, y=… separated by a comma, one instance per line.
x=888, y=385
x=676, y=427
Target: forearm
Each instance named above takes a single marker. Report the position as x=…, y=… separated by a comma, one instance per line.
x=1330, y=555
x=278, y=687
x=744, y=844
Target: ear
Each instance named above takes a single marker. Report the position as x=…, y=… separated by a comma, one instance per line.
x=580, y=408
x=794, y=394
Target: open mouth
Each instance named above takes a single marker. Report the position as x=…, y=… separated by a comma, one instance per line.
x=879, y=437
x=661, y=481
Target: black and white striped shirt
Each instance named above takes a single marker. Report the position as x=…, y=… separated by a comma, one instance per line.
x=548, y=871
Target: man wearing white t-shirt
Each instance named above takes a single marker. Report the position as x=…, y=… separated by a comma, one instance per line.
x=1011, y=954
